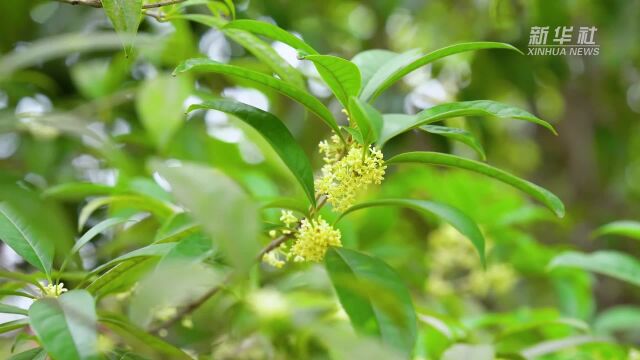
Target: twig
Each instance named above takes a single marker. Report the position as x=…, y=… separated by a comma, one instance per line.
x=274, y=244
x=98, y=3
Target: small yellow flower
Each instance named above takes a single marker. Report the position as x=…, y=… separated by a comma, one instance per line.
x=288, y=218
x=54, y=291
x=272, y=259
x=313, y=239
x=344, y=177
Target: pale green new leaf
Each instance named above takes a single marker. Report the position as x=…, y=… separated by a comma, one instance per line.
x=397, y=68
x=295, y=93
x=627, y=228
x=160, y=104
x=276, y=134
x=341, y=75
x=10, y=309
x=617, y=319
x=611, y=263
x=218, y=203
x=456, y=134
x=125, y=16
x=395, y=124
x=145, y=203
x=66, y=326
x=370, y=61
x=433, y=158
x=386, y=71
x=24, y=239
x=459, y=220
x=271, y=31
x=374, y=297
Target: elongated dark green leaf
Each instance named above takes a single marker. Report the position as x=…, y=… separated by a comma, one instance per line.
x=125, y=16
x=374, y=297
x=260, y=49
x=369, y=120
x=218, y=204
x=67, y=325
x=295, y=93
x=611, y=263
x=10, y=309
x=341, y=75
x=395, y=124
x=387, y=70
x=370, y=61
x=25, y=240
x=123, y=275
x=271, y=31
x=459, y=220
x=456, y=134
x=126, y=330
x=616, y=319
x=537, y=192
x=276, y=133
x=623, y=227
x=395, y=70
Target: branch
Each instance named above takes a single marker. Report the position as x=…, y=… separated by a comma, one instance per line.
x=98, y=3
x=206, y=296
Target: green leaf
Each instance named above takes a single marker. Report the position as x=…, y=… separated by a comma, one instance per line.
x=456, y=134
x=128, y=330
x=370, y=61
x=276, y=134
x=368, y=119
x=218, y=204
x=160, y=104
x=295, y=93
x=623, y=228
x=537, y=192
x=25, y=240
x=617, y=319
x=77, y=191
x=10, y=309
x=285, y=203
x=552, y=346
x=67, y=325
x=89, y=235
x=468, y=352
x=13, y=325
x=341, y=75
x=401, y=65
x=154, y=206
x=459, y=220
x=153, y=250
x=519, y=329
x=386, y=71
x=611, y=263
x=395, y=124
x=260, y=49
x=31, y=354
x=122, y=276
x=125, y=15
x=374, y=297
x=271, y=31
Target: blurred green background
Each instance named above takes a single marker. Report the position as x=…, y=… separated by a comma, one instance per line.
x=593, y=165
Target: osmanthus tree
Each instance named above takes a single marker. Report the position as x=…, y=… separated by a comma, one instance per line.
x=213, y=231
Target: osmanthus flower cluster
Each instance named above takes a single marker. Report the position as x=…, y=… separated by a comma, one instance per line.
x=349, y=169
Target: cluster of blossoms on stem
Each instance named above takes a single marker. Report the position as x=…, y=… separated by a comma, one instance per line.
x=311, y=240
x=348, y=170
